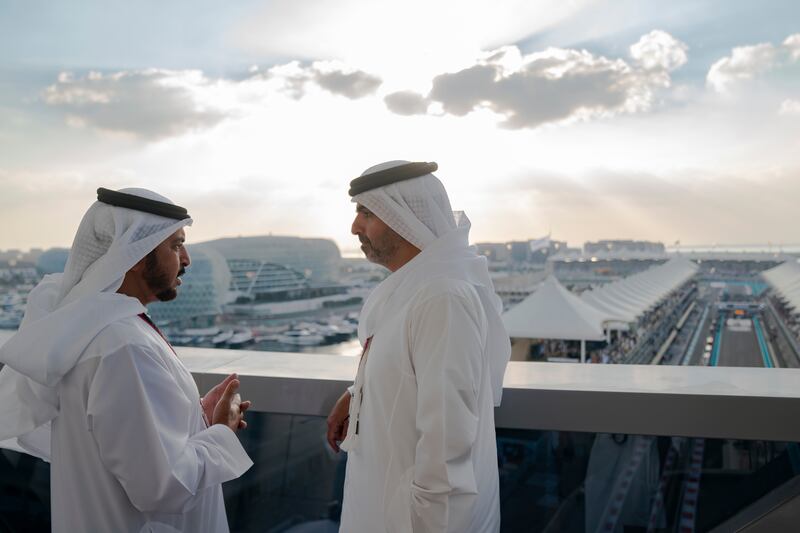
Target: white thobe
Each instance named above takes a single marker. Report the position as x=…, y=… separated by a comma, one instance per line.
x=425, y=457
x=130, y=449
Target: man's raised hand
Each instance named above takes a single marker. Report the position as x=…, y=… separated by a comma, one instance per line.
x=230, y=408
x=212, y=397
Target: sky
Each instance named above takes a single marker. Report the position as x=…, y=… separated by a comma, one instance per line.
x=667, y=121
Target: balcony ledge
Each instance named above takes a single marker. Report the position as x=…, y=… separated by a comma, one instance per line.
x=734, y=403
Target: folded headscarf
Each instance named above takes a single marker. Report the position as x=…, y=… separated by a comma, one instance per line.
x=65, y=312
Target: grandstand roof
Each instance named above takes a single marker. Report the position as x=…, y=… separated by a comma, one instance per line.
x=629, y=298
x=614, y=309
x=785, y=281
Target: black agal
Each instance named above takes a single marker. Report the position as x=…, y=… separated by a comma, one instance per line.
x=387, y=176
x=137, y=203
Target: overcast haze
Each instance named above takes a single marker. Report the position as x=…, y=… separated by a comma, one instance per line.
x=625, y=119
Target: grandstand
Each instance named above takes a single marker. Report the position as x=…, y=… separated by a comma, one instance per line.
x=749, y=316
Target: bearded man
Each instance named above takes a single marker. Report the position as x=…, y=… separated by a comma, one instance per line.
x=418, y=423
x=92, y=385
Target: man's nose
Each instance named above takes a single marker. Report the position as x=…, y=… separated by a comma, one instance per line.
x=185, y=259
x=355, y=228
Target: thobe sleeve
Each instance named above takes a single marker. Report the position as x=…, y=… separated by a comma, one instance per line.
x=141, y=420
x=446, y=347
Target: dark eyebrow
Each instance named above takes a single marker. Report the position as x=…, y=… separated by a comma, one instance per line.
x=362, y=209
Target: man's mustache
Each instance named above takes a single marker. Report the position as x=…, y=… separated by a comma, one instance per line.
x=181, y=272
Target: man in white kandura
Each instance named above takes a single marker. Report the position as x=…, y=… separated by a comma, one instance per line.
x=90, y=378
x=418, y=423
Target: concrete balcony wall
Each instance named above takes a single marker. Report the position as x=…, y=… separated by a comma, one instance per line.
x=686, y=401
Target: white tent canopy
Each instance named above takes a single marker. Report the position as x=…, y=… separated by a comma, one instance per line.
x=552, y=312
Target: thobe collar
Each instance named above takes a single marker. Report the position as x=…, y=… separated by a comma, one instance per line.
x=152, y=324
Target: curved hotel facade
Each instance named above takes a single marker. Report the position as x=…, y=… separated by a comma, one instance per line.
x=250, y=270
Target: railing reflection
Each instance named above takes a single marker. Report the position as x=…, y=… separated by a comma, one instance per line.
x=296, y=481
x=550, y=481
x=24, y=493
x=575, y=482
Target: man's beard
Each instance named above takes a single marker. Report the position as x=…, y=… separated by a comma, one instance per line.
x=158, y=281
x=382, y=249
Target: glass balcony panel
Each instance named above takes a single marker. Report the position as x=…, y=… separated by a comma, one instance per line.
x=550, y=481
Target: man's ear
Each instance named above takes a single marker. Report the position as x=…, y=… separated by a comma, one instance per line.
x=138, y=267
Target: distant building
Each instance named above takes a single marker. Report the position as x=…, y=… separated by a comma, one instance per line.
x=495, y=252
x=531, y=251
x=203, y=290
x=266, y=290
x=580, y=271
x=52, y=260
x=15, y=272
x=604, y=261
x=253, y=280
x=10, y=255
x=241, y=276
x=724, y=265
x=542, y=249
x=316, y=259
x=358, y=271
x=623, y=247
x=32, y=255
x=520, y=251
x=259, y=282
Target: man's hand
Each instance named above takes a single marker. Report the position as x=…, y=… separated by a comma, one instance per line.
x=212, y=397
x=338, y=421
x=230, y=408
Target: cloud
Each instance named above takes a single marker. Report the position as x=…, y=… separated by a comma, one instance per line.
x=552, y=85
x=792, y=45
x=790, y=107
x=355, y=84
x=747, y=62
x=332, y=76
x=154, y=104
x=148, y=104
x=744, y=63
x=406, y=103
x=659, y=50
